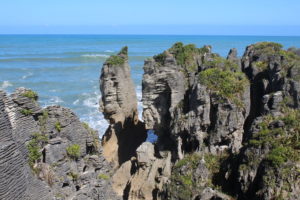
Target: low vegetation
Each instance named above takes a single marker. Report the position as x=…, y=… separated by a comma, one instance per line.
x=34, y=148
x=226, y=83
x=26, y=112
x=58, y=126
x=283, y=141
x=95, y=136
x=182, y=182
x=73, y=151
x=184, y=55
x=115, y=60
x=30, y=94
x=268, y=47
x=103, y=176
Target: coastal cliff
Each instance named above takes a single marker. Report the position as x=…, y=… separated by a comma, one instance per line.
x=227, y=128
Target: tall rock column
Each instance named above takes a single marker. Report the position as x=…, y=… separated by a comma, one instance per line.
x=119, y=106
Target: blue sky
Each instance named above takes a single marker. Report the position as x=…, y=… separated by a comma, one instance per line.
x=269, y=17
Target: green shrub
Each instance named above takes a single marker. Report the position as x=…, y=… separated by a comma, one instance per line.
x=58, y=126
x=30, y=94
x=226, y=83
x=268, y=47
x=103, y=176
x=124, y=51
x=160, y=58
x=73, y=175
x=115, y=60
x=94, y=135
x=283, y=142
x=34, y=147
x=261, y=65
x=26, y=112
x=184, y=55
x=224, y=64
x=73, y=151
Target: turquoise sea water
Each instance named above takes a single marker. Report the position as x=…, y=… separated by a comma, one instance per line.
x=65, y=69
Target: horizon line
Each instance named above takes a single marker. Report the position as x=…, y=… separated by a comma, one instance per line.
x=150, y=34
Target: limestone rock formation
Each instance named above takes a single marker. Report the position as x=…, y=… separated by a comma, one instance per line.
x=184, y=107
x=119, y=106
x=48, y=153
x=223, y=126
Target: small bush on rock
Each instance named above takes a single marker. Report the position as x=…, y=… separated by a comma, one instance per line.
x=30, y=94
x=73, y=151
x=26, y=112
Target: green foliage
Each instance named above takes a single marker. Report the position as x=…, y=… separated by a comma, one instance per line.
x=73, y=175
x=115, y=60
x=103, y=176
x=26, y=112
x=34, y=147
x=182, y=182
x=95, y=136
x=86, y=125
x=288, y=58
x=226, y=83
x=160, y=58
x=219, y=62
x=278, y=155
x=261, y=65
x=73, y=151
x=30, y=94
x=284, y=142
x=58, y=126
x=124, y=51
x=213, y=162
x=268, y=47
x=184, y=55
x=191, y=160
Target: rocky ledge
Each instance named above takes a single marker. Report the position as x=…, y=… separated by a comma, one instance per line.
x=226, y=129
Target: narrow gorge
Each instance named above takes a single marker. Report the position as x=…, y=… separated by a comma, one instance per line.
x=227, y=128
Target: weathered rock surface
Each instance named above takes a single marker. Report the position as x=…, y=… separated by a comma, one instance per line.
x=34, y=157
x=208, y=117
x=119, y=105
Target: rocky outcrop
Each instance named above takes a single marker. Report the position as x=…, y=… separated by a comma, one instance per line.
x=119, y=106
x=48, y=153
x=267, y=168
x=180, y=106
x=209, y=114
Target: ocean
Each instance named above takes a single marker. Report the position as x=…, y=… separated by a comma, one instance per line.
x=65, y=69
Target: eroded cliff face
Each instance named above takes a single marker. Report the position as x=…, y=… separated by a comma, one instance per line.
x=224, y=126
x=119, y=106
x=48, y=153
x=227, y=129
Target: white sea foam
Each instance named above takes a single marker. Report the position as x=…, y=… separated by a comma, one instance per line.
x=91, y=102
x=5, y=85
x=55, y=100
x=76, y=102
x=109, y=51
x=95, y=55
x=138, y=90
x=27, y=75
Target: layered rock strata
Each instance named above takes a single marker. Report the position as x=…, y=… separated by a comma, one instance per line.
x=47, y=153
x=224, y=126
x=119, y=106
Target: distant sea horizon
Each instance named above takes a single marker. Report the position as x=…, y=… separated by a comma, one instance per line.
x=64, y=68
